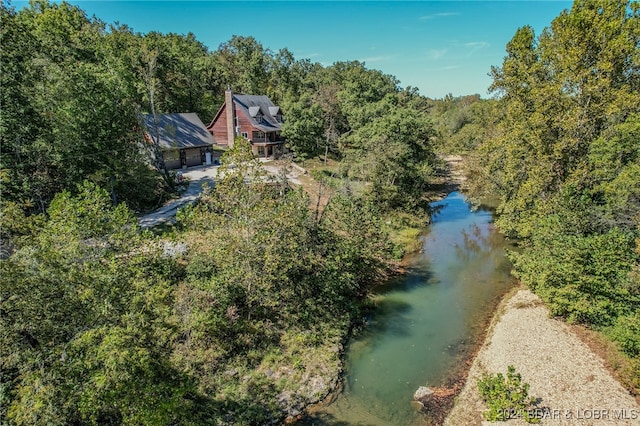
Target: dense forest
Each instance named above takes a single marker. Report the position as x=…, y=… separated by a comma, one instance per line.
x=238, y=313
x=73, y=89
x=560, y=147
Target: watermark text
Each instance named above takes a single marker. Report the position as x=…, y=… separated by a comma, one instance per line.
x=574, y=414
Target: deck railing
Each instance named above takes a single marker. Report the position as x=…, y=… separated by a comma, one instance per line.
x=261, y=139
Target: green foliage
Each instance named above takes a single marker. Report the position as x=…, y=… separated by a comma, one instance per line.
x=564, y=159
x=84, y=324
x=381, y=134
x=106, y=324
x=507, y=397
x=463, y=123
x=303, y=128
x=244, y=61
x=68, y=115
x=626, y=332
x=268, y=286
x=581, y=277
x=406, y=240
x=54, y=141
x=560, y=93
x=404, y=231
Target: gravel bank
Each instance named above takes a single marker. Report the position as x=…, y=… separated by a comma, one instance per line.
x=571, y=382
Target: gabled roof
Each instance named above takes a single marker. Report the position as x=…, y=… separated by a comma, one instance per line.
x=180, y=130
x=254, y=104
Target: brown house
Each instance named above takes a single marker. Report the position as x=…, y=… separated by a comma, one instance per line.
x=255, y=118
x=184, y=140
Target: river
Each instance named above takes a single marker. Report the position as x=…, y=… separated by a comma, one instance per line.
x=427, y=322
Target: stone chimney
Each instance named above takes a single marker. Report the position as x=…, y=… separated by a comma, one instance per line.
x=231, y=112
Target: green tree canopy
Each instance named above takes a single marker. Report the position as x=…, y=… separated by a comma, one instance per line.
x=565, y=161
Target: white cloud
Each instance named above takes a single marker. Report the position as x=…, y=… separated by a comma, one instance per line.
x=475, y=45
x=438, y=15
x=436, y=53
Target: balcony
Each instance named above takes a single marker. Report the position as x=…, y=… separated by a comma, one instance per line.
x=259, y=137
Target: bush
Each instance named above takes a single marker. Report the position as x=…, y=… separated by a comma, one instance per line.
x=626, y=332
x=506, y=399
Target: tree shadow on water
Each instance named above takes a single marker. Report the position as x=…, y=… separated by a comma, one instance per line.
x=451, y=209
x=387, y=317
x=416, y=276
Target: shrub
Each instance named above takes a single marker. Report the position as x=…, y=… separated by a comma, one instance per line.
x=506, y=398
x=626, y=332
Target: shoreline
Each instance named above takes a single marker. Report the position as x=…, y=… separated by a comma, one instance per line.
x=445, y=397
x=523, y=321
x=571, y=383
x=442, y=401
x=451, y=180
x=567, y=375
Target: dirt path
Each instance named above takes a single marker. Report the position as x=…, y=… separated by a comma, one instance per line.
x=571, y=381
x=291, y=170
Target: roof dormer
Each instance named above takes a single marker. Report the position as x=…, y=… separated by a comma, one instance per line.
x=274, y=110
x=256, y=113
x=276, y=113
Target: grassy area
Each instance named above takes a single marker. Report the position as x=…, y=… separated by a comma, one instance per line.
x=322, y=179
x=162, y=228
x=318, y=171
x=404, y=231
x=317, y=163
x=406, y=240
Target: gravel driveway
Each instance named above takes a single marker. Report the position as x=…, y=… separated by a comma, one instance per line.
x=197, y=176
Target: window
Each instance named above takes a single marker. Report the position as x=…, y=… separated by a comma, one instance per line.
x=259, y=118
x=261, y=151
x=279, y=118
x=245, y=135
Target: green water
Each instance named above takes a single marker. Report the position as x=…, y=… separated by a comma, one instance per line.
x=427, y=321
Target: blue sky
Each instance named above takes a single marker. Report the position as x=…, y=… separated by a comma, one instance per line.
x=439, y=47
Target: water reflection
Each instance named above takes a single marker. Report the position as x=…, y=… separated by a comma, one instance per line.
x=425, y=322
